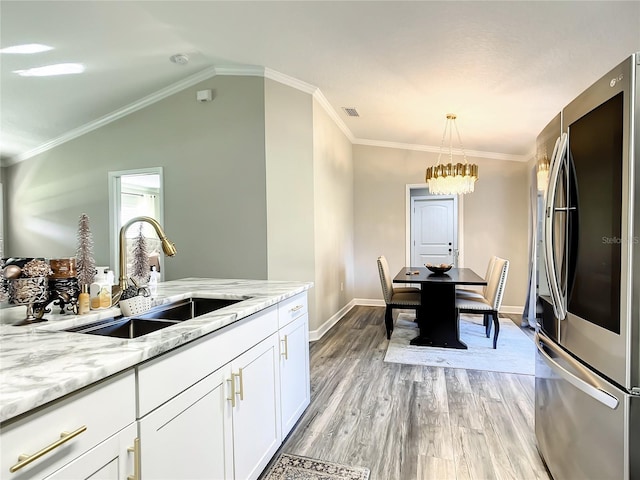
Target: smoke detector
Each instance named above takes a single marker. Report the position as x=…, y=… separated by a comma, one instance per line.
x=179, y=58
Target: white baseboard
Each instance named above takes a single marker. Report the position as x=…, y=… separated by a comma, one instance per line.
x=369, y=302
x=326, y=326
x=515, y=309
x=376, y=302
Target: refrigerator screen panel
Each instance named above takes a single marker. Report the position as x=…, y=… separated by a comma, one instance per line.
x=595, y=227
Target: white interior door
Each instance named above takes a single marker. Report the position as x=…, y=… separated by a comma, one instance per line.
x=434, y=236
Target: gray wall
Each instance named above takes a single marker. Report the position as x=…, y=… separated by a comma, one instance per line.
x=333, y=215
x=494, y=217
x=213, y=155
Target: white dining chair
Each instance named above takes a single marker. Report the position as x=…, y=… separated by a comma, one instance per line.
x=489, y=303
x=474, y=293
x=404, y=297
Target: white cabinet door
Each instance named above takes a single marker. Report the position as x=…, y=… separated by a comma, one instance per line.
x=190, y=435
x=256, y=410
x=109, y=460
x=294, y=372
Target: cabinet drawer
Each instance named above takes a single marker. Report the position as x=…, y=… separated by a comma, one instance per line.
x=292, y=308
x=103, y=409
x=163, y=378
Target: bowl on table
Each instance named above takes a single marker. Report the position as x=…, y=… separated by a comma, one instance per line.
x=439, y=269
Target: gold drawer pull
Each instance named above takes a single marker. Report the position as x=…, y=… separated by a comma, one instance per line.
x=285, y=353
x=240, y=391
x=232, y=381
x=24, y=460
x=136, y=459
x=296, y=308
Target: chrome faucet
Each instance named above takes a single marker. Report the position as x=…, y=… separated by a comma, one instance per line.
x=168, y=248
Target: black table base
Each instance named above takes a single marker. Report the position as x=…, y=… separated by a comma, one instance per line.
x=438, y=320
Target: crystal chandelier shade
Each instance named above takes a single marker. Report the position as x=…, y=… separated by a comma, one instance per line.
x=451, y=178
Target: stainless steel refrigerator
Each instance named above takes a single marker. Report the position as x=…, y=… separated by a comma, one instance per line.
x=587, y=404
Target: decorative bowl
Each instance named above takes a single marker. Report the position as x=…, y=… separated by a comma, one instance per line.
x=439, y=269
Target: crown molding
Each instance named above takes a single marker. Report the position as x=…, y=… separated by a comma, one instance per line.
x=433, y=149
x=116, y=114
x=315, y=92
x=245, y=70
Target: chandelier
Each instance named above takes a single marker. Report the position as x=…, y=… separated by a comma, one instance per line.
x=452, y=178
x=542, y=173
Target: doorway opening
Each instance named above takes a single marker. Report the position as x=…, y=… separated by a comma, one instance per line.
x=134, y=193
x=433, y=228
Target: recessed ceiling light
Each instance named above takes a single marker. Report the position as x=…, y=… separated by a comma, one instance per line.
x=27, y=48
x=49, y=70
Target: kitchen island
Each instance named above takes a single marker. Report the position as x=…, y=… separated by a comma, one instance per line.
x=43, y=366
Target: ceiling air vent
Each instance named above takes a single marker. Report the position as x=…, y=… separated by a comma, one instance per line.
x=351, y=111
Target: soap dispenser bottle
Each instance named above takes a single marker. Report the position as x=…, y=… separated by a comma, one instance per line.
x=100, y=290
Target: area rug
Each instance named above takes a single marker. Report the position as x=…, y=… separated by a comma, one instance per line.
x=515, y=352
x=293, y=467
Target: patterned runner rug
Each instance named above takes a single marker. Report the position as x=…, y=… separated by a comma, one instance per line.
x=293, y=467
x=515, y=352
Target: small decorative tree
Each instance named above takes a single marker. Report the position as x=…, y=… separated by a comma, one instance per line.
x=85, y=263
x=140, y=262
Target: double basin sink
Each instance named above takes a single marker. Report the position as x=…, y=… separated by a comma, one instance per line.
x=155, y=319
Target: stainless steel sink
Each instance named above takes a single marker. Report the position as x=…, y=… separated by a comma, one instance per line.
x=155, y=319
x=122, y=327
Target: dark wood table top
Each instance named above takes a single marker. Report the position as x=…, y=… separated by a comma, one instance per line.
x=455, y=276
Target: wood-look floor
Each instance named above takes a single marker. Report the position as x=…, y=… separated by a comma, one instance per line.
x=407, y=422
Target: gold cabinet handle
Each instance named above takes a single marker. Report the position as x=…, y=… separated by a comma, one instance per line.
x=232, y=381
x=136, y=459
x=285, y=354
x=240, y=391
x=24, y=460
x=296, y=308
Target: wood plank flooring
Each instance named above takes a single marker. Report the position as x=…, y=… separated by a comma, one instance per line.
x=407, y=422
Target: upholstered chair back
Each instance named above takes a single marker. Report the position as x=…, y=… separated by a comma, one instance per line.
x=487, y=276
x=385, y=279
x=496, y=283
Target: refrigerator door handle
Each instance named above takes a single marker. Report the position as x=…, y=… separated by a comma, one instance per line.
x=589, y=386
x=554, y=289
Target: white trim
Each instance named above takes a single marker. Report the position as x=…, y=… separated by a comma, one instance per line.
x=240, y=70
x=326, y=326
x=434, y=149
x=512, y=309
x=243, y=70
x=115, y=115
x=459, y=213
x=290, y=81
x=114, y=220
x=315, y=92
x=317, y=334
x=370, y=302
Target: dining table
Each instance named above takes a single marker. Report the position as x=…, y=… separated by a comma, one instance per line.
x=437, y=316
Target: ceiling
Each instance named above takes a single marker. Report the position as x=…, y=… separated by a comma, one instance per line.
x=505, y=68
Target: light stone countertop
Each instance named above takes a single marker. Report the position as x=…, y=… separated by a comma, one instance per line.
x=39, y=363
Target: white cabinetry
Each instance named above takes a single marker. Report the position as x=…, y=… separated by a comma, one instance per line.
x=256, y=408
x=294, y=372
x=216, y=409
x=83, y=433
x=112, y=459
x=190, y=436
x=293, y=324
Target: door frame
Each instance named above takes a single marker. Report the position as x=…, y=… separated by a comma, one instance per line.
x=458, y=212
x=114, y=212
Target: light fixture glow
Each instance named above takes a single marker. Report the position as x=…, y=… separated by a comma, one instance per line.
x=451, y=179
x=27, y=48
x=542, y=173
x=49, y=70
